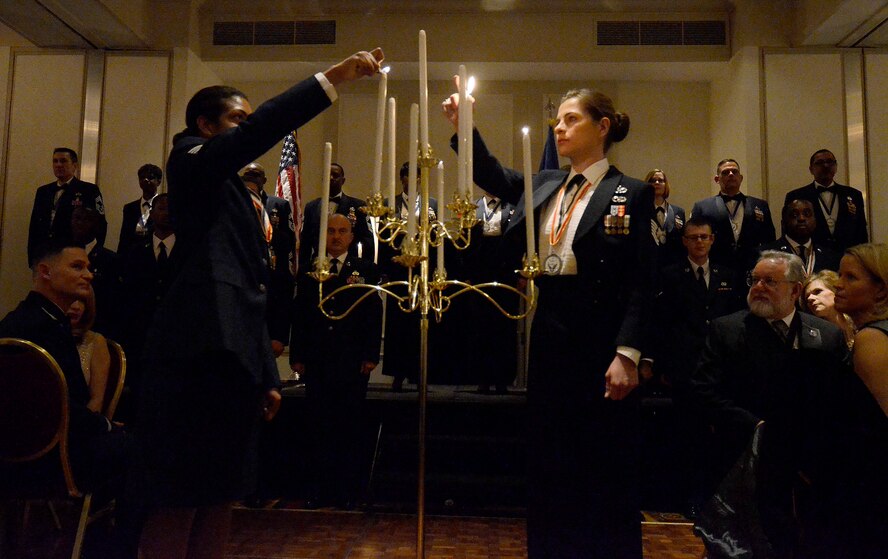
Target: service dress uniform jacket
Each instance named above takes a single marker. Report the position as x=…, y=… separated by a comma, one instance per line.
x=668, y=238
x=281, y=253
x=683, y=310
x=132, y=215
x=757, y=229
x=333, y=352
x=346, y=205
x=208, y=358
x=825, y=258
x=850, y=226
x=584, y=495
x=53, y=219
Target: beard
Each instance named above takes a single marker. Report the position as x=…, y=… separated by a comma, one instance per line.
x=760, y=308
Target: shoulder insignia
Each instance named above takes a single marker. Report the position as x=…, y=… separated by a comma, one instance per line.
x=195, y=149
x=621, y=190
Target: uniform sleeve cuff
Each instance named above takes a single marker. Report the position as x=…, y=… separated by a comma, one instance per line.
x=630, y=352
x=328, y=87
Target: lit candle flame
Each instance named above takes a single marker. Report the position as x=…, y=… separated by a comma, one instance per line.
x=385, y=70
x=470, y=85
x=526, y=130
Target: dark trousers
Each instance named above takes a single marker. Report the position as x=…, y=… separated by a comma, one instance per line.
x=583, y=466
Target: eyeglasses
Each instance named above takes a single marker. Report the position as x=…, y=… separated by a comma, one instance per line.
x=770, y=283
x=693, y=238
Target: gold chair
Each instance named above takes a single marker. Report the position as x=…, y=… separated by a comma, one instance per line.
x=34, y=429
x=116, y=377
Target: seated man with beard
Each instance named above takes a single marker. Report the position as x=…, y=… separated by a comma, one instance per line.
x=774, y=364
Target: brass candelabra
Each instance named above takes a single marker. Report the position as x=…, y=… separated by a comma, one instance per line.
x=418, y=292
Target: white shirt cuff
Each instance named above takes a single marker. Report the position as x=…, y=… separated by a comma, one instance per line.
x=328, y=87
x=630, y=352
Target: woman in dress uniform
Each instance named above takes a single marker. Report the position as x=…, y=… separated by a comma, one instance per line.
x=209, y=372
x=667, y=225
x=593, y=226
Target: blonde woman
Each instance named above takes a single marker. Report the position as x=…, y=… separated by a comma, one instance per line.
x=95, y=360
x=819, y=299
x=862, y=293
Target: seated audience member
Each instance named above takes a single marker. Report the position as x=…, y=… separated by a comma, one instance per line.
x=137, y=224
x=668, y=221
x=799, y=224
x=335, y=357
x=770, y=363
x=61, y=276
x=95, y=360
x=852, y=524
x=862, y=293
x=105, y=267
x=818, y=298
x=281, y=249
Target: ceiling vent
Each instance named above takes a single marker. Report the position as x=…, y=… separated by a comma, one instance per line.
x=637, y=33
x=228, y=33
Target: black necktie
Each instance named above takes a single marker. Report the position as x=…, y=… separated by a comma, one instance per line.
x=803, y=254
x=781, y=328
x=334, y=266
x=572, y=186
x=161, y=256
x=701, y=277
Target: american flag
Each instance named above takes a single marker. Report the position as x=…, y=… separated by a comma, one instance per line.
x=289, y=187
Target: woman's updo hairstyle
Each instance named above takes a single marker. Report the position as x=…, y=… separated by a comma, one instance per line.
x=599, y=105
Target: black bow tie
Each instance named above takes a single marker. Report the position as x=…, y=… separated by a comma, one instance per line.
x=821, y=188
x=740, y=197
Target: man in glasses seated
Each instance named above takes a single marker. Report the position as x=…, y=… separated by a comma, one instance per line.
x=775, y=364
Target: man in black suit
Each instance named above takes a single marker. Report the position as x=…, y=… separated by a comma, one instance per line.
x=54, y=202
x=61, y=276
x=146, y=272
x=340, y=203
x=690, y=295
x=799, y=226
x=840, y=210
x=769, y=363
x=105, y=267
x=136, y=219
x=741, y=223
x=335, y=357
x=281, y=249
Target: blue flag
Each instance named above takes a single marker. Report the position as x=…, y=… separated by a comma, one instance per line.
x=549, y=160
